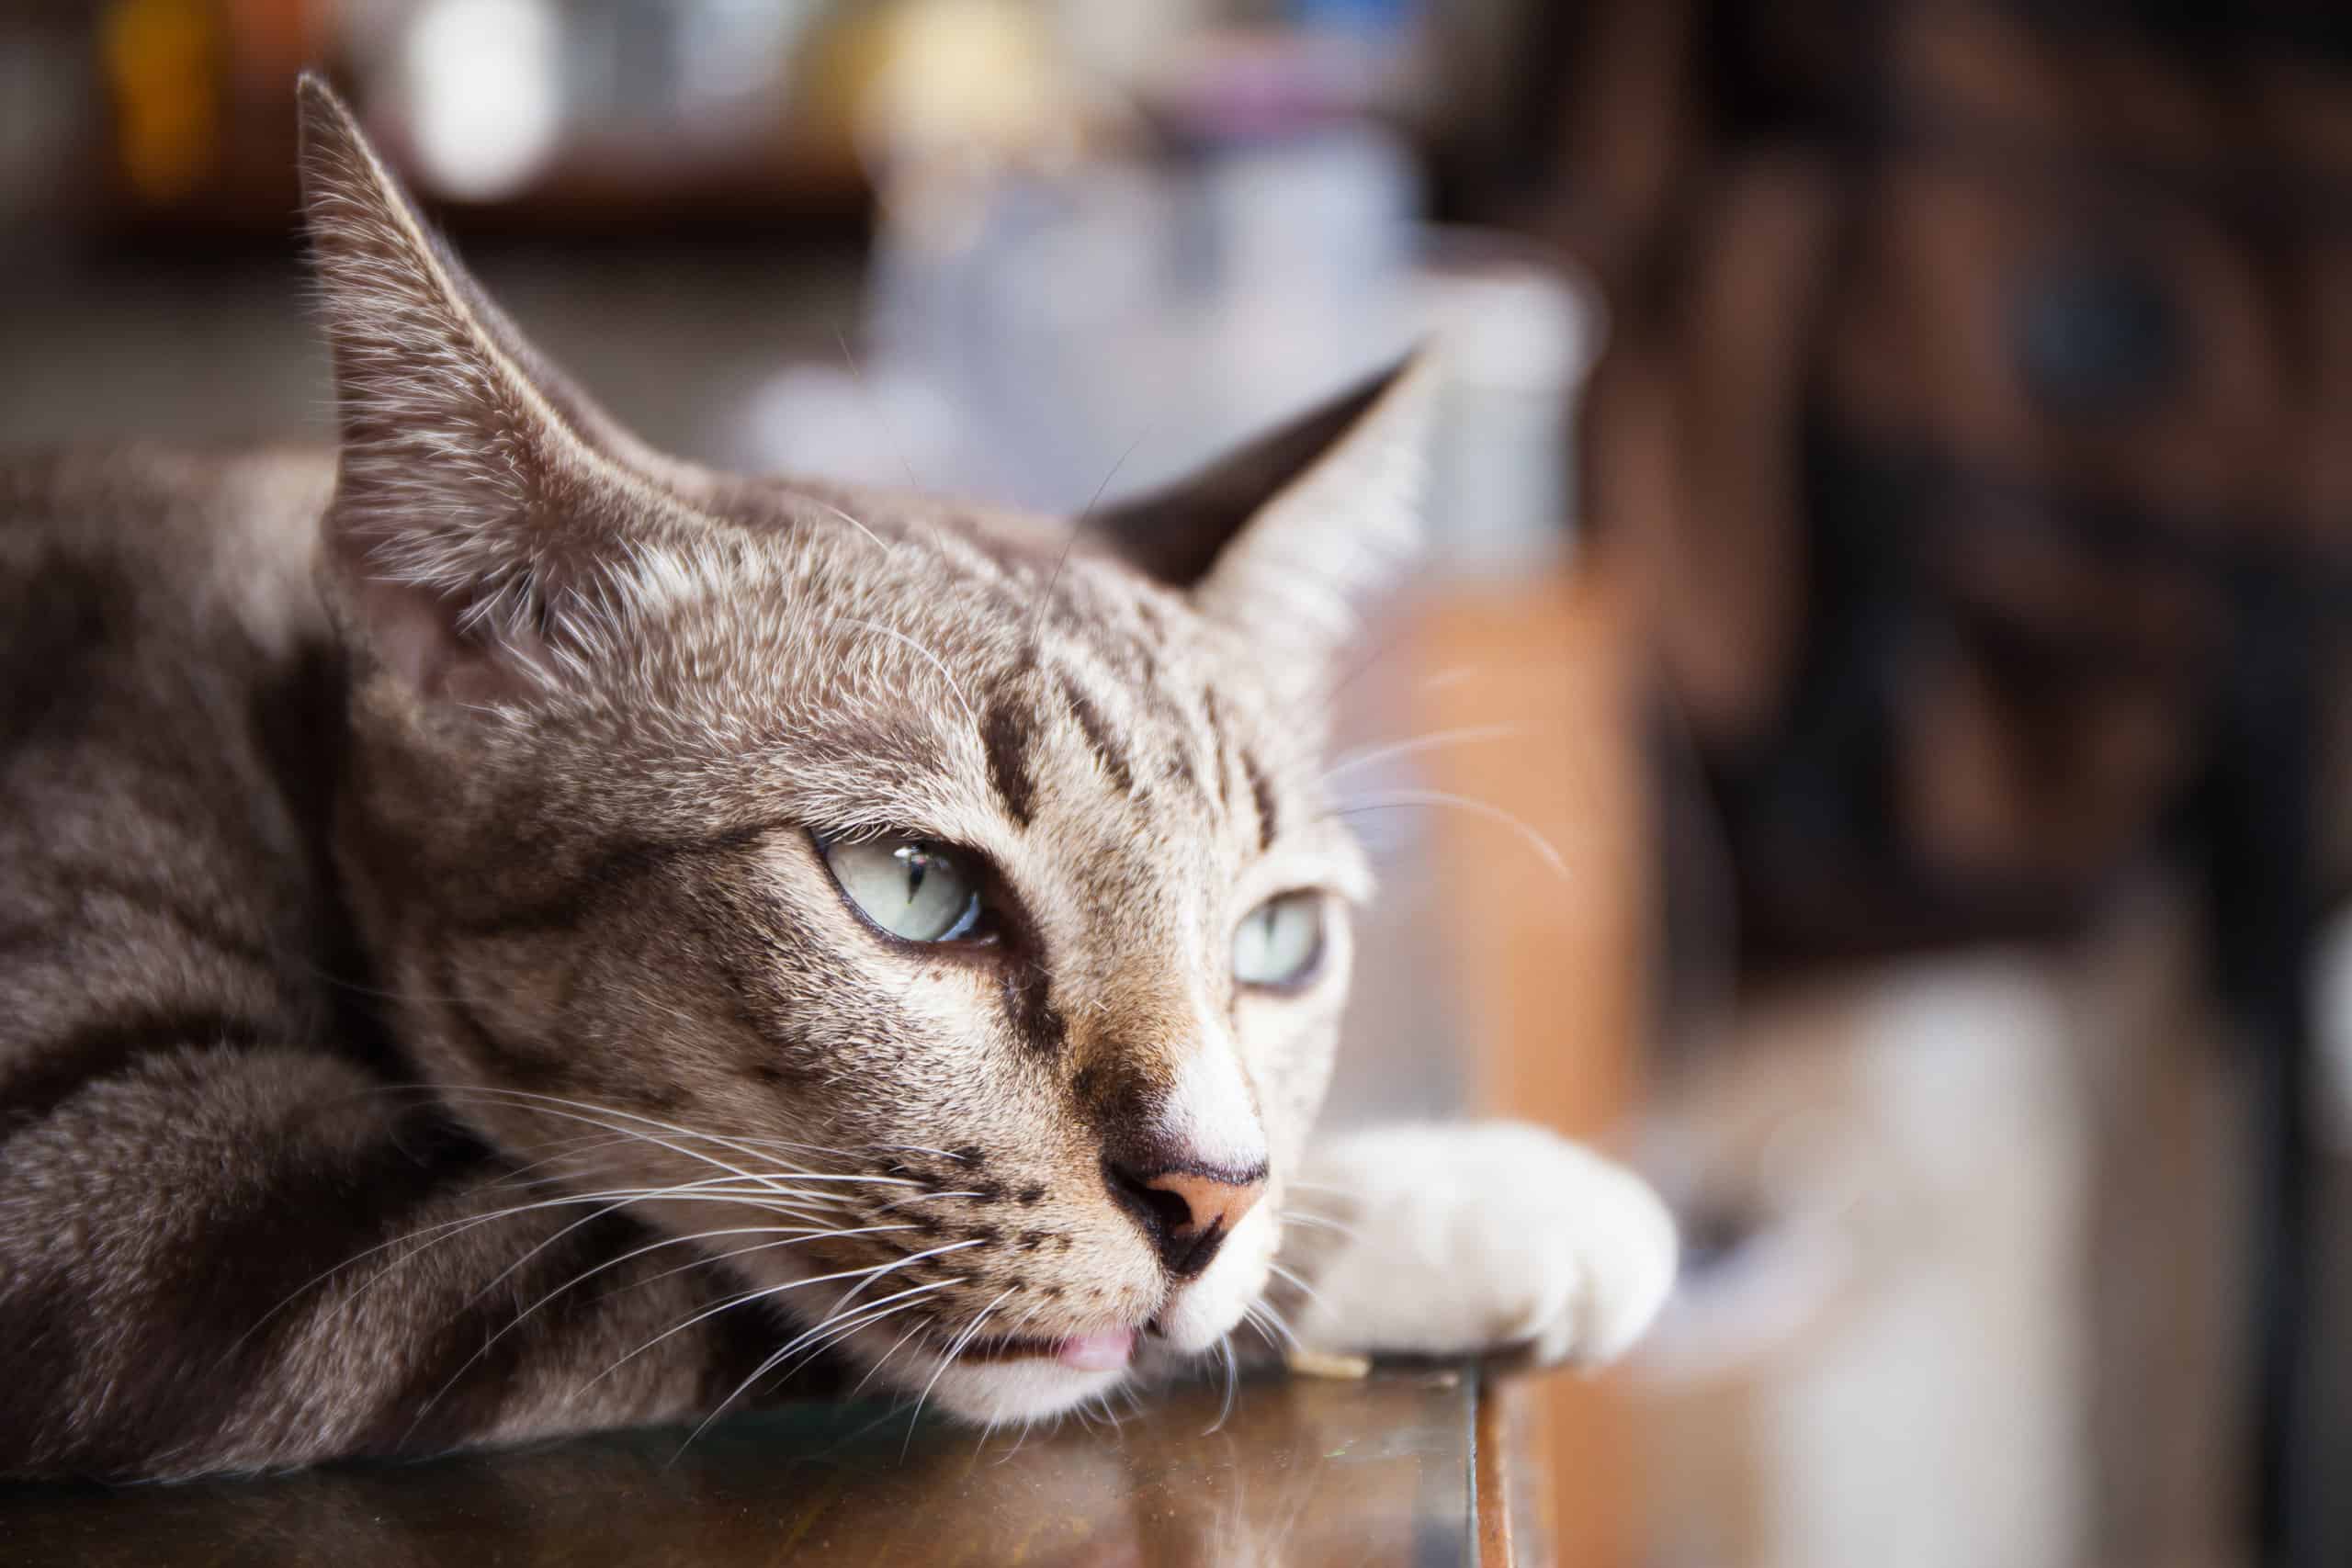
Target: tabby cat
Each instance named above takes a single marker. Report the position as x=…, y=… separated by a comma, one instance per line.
x=503, y=932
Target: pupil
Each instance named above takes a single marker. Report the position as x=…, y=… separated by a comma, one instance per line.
x=917, y=865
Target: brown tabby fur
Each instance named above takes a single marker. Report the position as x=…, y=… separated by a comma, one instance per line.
x=413, y=947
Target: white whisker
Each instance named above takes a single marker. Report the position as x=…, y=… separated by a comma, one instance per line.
x=1318, y=1221
x=874, y=1314
x=929, y=657
x=923, y=1149
x=1232, y=1378
x=1363, y=757
x=828, y=506
x=1385, y=799
x=740, y=1145
x=859, y=1385
x=955, y=1350
x=579, y=1279
x=921, y=1197
x=1301, y=1286
x=767, y=1291
x=1262, y=1316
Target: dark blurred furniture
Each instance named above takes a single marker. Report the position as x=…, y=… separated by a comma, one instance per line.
x=1978, y=430
x=1408, y=1467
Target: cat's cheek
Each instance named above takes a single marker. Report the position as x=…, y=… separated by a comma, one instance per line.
x=1207, y=1310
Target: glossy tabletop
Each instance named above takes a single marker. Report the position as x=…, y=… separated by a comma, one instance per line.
x=1298, y=1471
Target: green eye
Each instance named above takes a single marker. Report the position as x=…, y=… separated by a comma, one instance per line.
x=1280, y=941
x=912, y=889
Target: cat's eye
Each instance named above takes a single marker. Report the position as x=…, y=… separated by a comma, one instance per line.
x=1280, y=941
x=912, y=889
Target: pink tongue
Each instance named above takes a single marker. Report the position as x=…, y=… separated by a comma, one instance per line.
x=1099, y=1352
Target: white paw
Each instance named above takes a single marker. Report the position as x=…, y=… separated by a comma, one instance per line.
x=1483, y=1237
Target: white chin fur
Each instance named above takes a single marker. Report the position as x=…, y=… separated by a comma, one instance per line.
x=1206, y=1310
x=1035, y=1388
x=993, y=1394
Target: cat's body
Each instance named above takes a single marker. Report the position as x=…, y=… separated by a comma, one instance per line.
x=465, y=967
x=181, y=992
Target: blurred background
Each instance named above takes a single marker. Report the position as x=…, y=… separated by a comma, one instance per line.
x=1872, y=743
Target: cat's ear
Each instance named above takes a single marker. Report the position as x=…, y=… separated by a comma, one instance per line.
x=478, y=493
x=1285, y=539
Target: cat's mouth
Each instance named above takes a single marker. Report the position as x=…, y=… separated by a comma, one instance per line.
x=1106, y=1350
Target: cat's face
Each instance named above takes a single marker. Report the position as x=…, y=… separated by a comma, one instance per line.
x=670, y=895
x=925, y=919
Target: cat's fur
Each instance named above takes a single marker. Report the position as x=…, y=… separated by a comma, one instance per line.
x=424, y=1009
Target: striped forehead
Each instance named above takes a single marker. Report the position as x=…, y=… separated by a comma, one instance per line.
x=1138, y=738
x=1111, y=681
x=1074, y=682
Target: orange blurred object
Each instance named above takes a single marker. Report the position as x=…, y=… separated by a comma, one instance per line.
x=163, y=64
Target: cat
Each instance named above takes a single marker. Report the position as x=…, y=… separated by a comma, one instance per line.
x=504, y=933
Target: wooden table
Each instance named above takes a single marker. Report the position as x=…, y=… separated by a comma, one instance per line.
x=1410, y=1466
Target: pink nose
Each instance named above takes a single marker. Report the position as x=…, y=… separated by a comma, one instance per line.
x=1187, y=1210
x=1211, y=1203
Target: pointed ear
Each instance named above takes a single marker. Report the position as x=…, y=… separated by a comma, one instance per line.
x=477, y=494
x=1286, y=537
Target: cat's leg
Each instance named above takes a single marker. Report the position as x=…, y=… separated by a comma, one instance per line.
x=225, y=1258
x=1470, y=1237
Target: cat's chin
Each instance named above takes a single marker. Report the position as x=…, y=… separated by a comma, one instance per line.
x=993, y=1380
x=1199, y=1316
x=1011, y=1392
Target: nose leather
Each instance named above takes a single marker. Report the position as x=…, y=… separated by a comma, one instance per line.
x=1215, y=1201
x=1186, y=1209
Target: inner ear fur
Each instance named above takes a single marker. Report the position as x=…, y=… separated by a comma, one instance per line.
x=479, y=494
x=1287, y=537
x=1175, y=534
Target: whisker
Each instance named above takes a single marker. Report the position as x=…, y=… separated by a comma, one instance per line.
x=858, y=377
x=954, y=1350
x=838, y=1329
x=504, y=1274
x=777, y=1357
x=1301, y=1286
x=1076, y=529
x=579, y=1279
x=767, y=1292
x=594, y=1116
x=1372, y=656
x=828, y=506
x=1232, y=1378
x=929, y=658
x=798, y=1236
x=1319, y=1221
x=839, y=1322
x=1363, y=757
x=740, y=1145
x=921, y=1197
x=858, y=1386
x=585, y=1111
x=1027, y=1427
x=424, y=1237
x=1398, y=798
x=1262, y=1316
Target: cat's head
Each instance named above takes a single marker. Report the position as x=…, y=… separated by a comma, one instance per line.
x=931, y=917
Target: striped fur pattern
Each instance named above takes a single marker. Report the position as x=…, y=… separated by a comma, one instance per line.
x=425, y=1016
